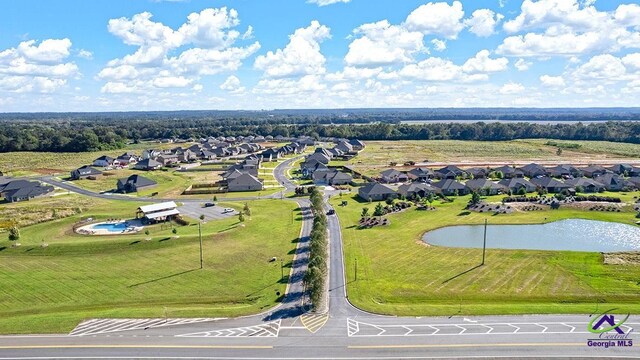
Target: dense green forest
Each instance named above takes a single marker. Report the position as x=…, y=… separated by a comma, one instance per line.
x=104, y=131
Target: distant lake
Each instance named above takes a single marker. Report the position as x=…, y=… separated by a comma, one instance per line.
x=571, y=234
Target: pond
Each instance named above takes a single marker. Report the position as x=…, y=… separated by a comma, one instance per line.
x=570, y=234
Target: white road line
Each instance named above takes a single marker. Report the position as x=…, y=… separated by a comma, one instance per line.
x=572, y=327
x=461, y=327
x=544, y=327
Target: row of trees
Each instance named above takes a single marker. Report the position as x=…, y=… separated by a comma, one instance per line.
x=314, y=278
x=79, y=136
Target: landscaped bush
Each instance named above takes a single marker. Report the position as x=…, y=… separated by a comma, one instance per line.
x=314, y=278
x=180, y=220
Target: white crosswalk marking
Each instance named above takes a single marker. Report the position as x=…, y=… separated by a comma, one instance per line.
x=271, y=329
x=103, y=326
x=361, y=329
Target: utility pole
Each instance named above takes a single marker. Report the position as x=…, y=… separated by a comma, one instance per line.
x=281, y=269
x=200, y=235
x=484, y=243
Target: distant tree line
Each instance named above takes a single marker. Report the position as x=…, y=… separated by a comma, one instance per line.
x=79, y=135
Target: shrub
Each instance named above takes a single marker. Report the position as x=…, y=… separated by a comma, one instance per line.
x=14, y=233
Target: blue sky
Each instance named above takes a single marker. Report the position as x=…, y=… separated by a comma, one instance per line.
x=78, y=55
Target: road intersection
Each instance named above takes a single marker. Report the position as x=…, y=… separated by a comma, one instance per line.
x=290, y=331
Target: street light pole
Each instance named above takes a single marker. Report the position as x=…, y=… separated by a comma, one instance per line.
x=484, y=243
x=200, y=235
x=281, y=269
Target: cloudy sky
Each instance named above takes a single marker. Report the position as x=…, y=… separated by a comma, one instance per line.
x=104, y=55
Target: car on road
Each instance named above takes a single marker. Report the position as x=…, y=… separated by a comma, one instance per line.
x=209, y=204
x=331, y=212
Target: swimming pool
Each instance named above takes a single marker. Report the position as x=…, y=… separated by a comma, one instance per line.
x=111, y=227
x=570, y=234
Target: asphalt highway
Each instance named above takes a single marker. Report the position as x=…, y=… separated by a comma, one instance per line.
x=289, y=331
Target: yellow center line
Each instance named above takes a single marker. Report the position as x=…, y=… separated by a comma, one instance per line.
x=461, y=345
x=71, y=346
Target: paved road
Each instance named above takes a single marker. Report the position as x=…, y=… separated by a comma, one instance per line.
x=288, y=332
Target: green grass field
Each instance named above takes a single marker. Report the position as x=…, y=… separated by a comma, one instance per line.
x=398, y=274
x=378, y=154
x=51, y=289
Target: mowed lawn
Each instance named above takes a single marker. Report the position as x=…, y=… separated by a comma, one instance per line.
x=398, y=274
x=51, y=289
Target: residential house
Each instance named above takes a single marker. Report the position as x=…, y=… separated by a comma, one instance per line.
x=376, y=192
x=414, y=189
x=103, y=161
x=550, y=184
x=356, y=144
x=151, y=154
x=187, y=156
x=484, y=187
x=323, y=151
x=421, y=174
x=533, y=170
x=611, y=181
x=331, y=177
x=245, y=182
x=509, y=172
x=478, y=172
x=206, y=155
x=451, y=187
x=320, y=157
x=168, y=159
x=587, y=185
x=449, y=172
x=594, y=170
x=345, y=147
x=392, y=176
x=515, y=184
x=134, y=183
x=23, y=190
x=310, y=167
x=148, y=164
x=127, y=158
x=271, y=154
x=85, y=172
x=635, y=181
x=563, y=171
x=622, y=169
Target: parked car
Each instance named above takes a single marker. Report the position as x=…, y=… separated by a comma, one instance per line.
x=209, y=204
x=227, y=210
x=331, y=212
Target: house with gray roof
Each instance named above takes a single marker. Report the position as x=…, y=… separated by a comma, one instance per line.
x=103, y=161
x=594, y=170
x=23, y=190
x=509, y=172
x=392, y=176
x=563, y=171
x=134, y=183
x=148, y=165
x=420, y=174
x=376, y=192
x=356, y=144
x=414, y=189
x=84, y=172
x=244, y=182
x=515, y=184
x=449, y=172
x=321, y=157
x=587, y=185
x=331, y=177
x=484, y=187
x=611, y=181
x=478, y=172
x=451, y=187
x=533, y=170
x=550, y=184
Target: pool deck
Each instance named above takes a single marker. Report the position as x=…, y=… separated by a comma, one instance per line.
x=134, y=227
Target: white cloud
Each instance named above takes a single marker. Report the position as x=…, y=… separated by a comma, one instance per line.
x=552, y=81
x=511, y=88
x=232, y=84
x=482, y=63
x=305, y=84
x=353, y=73
x=168, y=58
x=300, y=57
x=33, y=67
x=85, y=54
x=326, y=2
x=381, y=43
x=602, y=67
x=483, y=22
x=570, y=28
x=523, y=65
x=632, y=61
x=437, y=18
x=439, y=45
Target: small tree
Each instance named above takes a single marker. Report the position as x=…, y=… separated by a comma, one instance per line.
x=365, y=212
x=579, y=189
x=202, y=217
x=559, y=151
x=246, y=209
x=499, y=175
x=430, y=197
x=215, y=198
x=475, y=199
x=14, y=233
x=174, y=231
x=241, y=217
x=522, y=191
x=146, y=232
x=379, y=210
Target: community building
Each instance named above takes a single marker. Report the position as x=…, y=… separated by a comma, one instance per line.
x=158, y=212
